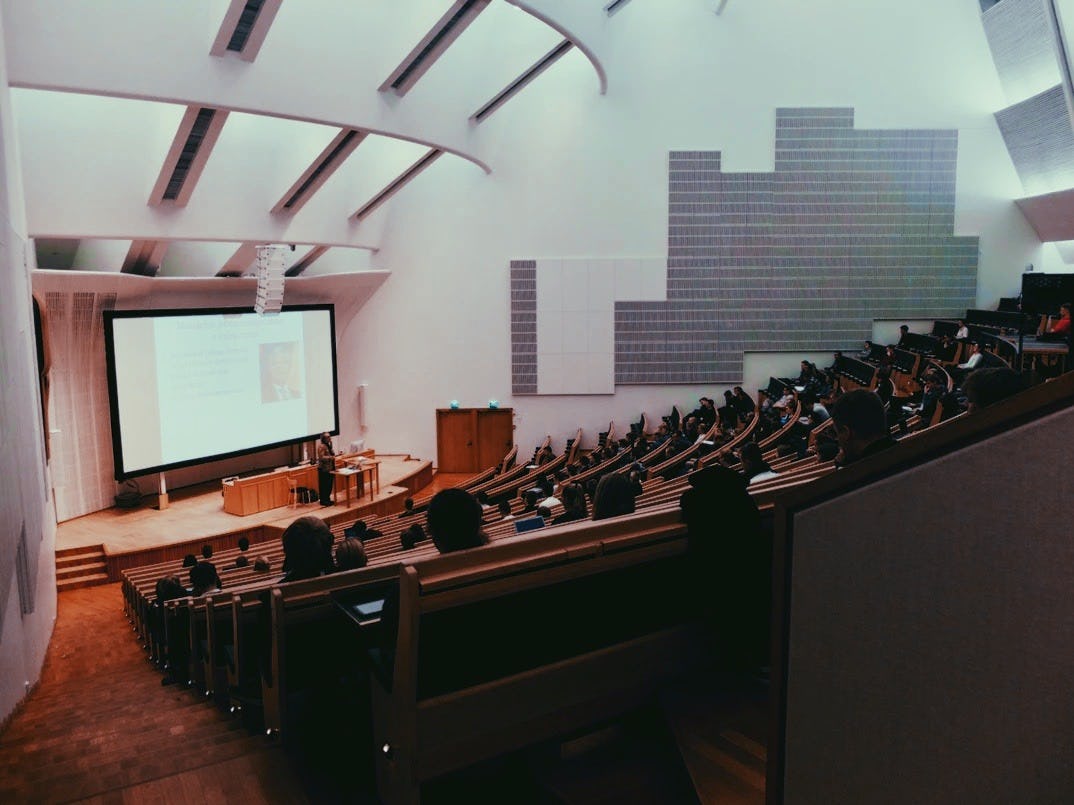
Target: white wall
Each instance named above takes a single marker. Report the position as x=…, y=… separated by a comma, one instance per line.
x=578, y=175
x=24, y=497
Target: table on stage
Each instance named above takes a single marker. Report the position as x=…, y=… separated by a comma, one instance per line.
x=357, y=470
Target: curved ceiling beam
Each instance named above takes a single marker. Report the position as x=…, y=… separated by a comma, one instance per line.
x=568, y=20
x=218, y=103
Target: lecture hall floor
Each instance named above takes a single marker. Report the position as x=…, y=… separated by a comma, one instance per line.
x=100, y=728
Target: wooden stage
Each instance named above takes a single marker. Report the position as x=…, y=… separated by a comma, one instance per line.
x=133, y=537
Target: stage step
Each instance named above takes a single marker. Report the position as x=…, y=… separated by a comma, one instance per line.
x=80, y=567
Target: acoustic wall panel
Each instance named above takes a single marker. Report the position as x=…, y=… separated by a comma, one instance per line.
x=524, y=326
x=1040, y=140
x=1023, y=48
x=852, y=225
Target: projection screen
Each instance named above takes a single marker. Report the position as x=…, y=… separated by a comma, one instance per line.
x=187, y=386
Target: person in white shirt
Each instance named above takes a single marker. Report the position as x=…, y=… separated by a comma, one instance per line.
x=963, y=331
x=972, y=363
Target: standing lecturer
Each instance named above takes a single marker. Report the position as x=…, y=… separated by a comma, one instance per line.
x=326, y=465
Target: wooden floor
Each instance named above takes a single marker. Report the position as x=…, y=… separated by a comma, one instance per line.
x=198, y=512
x=100, y=727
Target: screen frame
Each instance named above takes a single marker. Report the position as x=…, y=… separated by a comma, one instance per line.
x=120, y=473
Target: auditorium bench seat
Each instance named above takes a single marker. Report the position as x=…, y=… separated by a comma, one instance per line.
x=507, y=645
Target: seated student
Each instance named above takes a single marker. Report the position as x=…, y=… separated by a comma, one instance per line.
x=505, y=510
x=904, y=331
x=614, y=496
x=307, y=549
x=411, y=536
x=189, y=560
x=988, y=386
x=958, y=373
x=935, y=389
x=574, y=507
x=203, y=579
x=754, y=467
x=242, y=560
x=861, y=426
x=408, y=509
x=731, y=566
x=1060, y=330
x=786, y=401
x=705, y=413
x=547, y=499
x=963, y=332
x=350, y=555
x=544, y=455
x=866, y=351
x=454, y=521
x=661, y=435
x=742, y=402
x=170, y=588
x=483, y=498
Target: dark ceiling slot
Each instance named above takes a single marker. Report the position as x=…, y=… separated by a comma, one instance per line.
x=431, y=47
x=305, y=262
x=614, y=6
x=519, y=83
x=190, y=150
x=322, y=166
x=397, y=183
x=245, y=25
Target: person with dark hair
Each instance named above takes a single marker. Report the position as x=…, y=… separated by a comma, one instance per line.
x=206, y=551
x=505, y=510
x=614, y=496
x=860, y=426
x=963, y=332
x=169, y=588
x=242, y=560
x=960, y=372
x=189, y=560
x=754, y=467
x=481, y=497
x=731, y=564
x=574, y=507
x=411, y=536
x=454, y=521
x=547, y=498
x=742, y=402
x=933, y=393
x=326, y=465
x=988, y=386
x=307, y=549
x=904, y=331
x=728, y=413
x=705, y=413
x=203, y=579
x=350, y=554
x=408, y=508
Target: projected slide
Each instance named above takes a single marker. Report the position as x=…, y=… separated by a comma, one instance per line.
x=187, y=386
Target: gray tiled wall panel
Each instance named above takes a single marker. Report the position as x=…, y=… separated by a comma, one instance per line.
x=850, y=226
x=1020, y=38
x=1040, y=140
x=524, y=326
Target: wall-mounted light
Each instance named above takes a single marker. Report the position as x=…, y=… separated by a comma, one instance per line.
x=494, y=403
x=454, y=405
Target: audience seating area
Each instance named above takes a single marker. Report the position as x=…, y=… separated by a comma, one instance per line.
x=254, y=645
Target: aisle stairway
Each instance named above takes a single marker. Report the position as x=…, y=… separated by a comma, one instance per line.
x=101, y=724
x=80, y=567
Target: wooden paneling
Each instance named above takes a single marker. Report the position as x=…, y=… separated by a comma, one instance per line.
x=472, y=439
x=495, y=435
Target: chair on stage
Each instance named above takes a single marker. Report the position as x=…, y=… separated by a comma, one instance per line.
x=293, y=492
